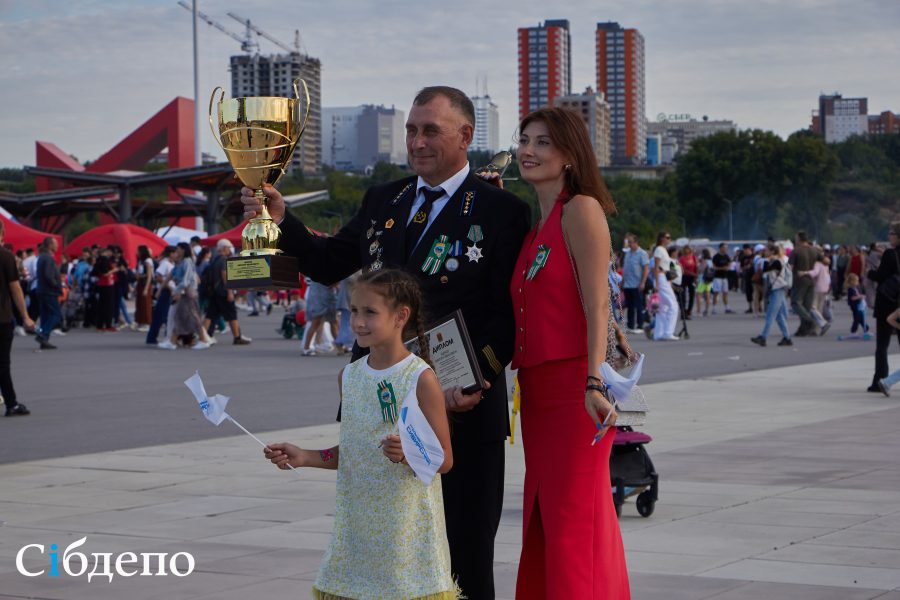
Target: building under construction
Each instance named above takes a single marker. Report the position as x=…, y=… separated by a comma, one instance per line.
x=258, y=75
x=253, y=74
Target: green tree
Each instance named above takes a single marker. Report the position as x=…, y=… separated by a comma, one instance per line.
x=809, y=169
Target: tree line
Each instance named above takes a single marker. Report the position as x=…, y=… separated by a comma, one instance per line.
x=846, y=192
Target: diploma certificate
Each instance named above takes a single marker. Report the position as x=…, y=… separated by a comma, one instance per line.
x=452, y=353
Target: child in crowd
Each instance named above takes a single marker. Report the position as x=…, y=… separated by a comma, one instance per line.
x=294, y=319
x=857, y=301
x=389, y=538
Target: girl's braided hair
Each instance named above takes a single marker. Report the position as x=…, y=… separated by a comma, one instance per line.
x=400, y=288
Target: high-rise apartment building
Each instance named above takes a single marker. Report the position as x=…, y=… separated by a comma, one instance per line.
x=487, y=125
x=594, y=111
x=357, y=137
x=545, y=64
x=620, y=76
x=273, y=75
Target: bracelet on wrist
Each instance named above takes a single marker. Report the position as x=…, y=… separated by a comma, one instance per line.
x=603, y=389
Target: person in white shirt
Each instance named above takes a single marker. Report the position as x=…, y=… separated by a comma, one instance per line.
x=667, y=313
x=164, y=297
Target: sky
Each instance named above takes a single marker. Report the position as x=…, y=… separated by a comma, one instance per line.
x=84, y=74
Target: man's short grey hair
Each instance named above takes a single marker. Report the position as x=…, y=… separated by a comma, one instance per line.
x=458, y=100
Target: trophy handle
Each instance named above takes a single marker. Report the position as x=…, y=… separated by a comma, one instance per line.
x=212, y=99
x=308, y=104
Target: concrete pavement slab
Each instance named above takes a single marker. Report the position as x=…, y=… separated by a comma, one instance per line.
x=775, y=494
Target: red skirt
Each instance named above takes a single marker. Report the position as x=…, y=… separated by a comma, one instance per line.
x=571, y=544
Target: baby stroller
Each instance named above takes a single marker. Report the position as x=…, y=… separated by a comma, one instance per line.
x=631, y=471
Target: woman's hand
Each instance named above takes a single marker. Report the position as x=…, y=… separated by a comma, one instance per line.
x=392, y=449
x=601, y=412
x=492, y=177
x=283, y=454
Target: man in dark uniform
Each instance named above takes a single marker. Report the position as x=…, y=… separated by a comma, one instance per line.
x=461, y=237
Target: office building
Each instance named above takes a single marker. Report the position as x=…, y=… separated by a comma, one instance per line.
x=594, y=111
x=273, y=75
x=680, y=131
x=620, y=77
x=545, y=65
x=654, y=150
x=357, y=137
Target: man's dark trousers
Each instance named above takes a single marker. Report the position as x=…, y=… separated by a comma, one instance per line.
x=160, y=315
x=801, y=301
x=50, y=315
x=634, y=301
x=6, y=384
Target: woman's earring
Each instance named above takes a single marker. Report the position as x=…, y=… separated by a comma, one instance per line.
x=568, y=167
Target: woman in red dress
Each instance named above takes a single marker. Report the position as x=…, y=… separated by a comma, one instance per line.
x=572, y=547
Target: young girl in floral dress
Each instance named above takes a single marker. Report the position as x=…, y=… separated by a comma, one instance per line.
x=389, y=538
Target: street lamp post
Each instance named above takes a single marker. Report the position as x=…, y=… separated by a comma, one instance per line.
x=730, y=219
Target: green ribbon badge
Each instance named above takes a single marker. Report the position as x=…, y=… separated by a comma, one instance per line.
x=387, y=400
x=540, y=260
x=436, y=256
x=475, y=234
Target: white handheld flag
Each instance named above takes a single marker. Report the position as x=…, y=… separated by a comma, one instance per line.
x=619, y=385
x=421, y=446
x=213, y=407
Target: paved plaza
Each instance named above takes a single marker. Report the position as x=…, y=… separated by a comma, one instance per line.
x=779, y=474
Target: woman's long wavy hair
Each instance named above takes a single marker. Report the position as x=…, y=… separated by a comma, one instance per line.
x=569, y=135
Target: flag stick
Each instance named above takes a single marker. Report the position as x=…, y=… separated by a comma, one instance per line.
x=258, y=441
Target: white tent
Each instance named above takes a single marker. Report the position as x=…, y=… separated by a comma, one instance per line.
x=176, y=234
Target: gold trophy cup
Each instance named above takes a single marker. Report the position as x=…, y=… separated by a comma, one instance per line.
x=259, y=135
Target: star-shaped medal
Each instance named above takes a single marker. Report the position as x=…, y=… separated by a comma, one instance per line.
x=474, y=253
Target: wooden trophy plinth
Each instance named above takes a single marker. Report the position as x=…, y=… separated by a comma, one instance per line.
x=262, y=272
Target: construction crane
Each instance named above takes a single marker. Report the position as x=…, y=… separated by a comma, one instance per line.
x=251, y=27
x=248, y=44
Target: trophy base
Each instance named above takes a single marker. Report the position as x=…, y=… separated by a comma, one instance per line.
x=262, y=272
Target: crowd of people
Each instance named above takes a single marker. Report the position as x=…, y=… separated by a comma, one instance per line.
x=693, y=280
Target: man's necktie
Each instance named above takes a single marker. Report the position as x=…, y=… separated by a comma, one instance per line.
x=420, y=219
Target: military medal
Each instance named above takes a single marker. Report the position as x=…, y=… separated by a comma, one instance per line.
x=371, y=231
x=540, y=260
x=452, y=264
x=376, y=266
x=389, y=223
x=387, y=401
x=436, y=256
x=475, y=235
x=455, y=249
x=373, y=247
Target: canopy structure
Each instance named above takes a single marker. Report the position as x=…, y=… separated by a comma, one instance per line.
x=233, y=235
x=125, y=235
x=21, y=237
